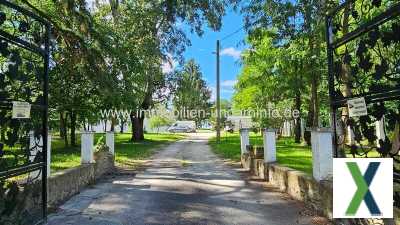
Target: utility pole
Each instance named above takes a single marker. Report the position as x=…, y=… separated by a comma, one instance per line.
x=218, y=98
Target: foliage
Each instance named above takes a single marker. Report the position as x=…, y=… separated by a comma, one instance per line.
x=127, y=154
x=159, y=121
x=101, y=145
x=289, y=153
x=285, y=60
x=191, y=93
x=226, y=110
x=365, y=66
x=109, y=55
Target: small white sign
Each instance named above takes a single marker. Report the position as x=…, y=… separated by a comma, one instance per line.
x=357, y=107
x=21, y=110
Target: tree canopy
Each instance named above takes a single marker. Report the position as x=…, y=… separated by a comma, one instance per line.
x=108, y=55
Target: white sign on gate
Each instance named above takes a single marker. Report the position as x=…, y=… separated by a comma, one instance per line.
x=21, y=110
x=357, y=107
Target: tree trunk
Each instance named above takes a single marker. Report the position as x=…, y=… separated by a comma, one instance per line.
x=62, y=125
x=138, y=120
x=122, y=127
x=73, y=128
x=313, y=112
x=112, y=128
x=314, y=100
x=64, y=128
x=347, y=80
x=137, y=127
x=297, y=129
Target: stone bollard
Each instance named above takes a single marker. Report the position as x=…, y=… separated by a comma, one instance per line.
x=244, y=139
x=322, y=153
x=36, y=145
x=269, y=139
x=110, y=141
x=87, y=147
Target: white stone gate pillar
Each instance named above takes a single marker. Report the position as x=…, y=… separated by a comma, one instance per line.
x=110, y=141
x=269, y=139
x=284, y=129
x=244, y=139
x=322, y=153
x=87, y=147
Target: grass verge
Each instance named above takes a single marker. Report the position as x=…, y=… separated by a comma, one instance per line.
x=289, y=153
x=127, y=153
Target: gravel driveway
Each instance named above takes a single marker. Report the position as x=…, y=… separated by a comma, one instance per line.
x=184, y=184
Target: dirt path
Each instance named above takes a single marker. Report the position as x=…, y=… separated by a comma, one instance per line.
x=185, y=184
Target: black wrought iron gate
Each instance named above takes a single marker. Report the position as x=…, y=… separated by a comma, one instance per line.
x=24, y=65
x=363, y=40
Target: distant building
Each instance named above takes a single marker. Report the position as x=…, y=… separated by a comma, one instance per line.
x=239, y=122
x=101, y=127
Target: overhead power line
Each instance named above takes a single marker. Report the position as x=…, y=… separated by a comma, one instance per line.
x=233, y=33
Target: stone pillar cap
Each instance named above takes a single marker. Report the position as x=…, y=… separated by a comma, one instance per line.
x=320, y=129
x=245, y=129
x=87, y=132
x=269, y=129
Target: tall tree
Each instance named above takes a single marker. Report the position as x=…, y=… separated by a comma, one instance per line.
x=191, y=92
x=299, y=21
x=148, y=35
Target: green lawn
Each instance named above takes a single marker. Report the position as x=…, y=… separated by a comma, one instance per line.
x=290, y=154
x=294, y=155
x=127, y=154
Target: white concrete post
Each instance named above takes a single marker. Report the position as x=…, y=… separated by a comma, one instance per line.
x=322, y=153
x=269, y=139
x=87, y=147
x=292, y=127
x=380, y=131
x=286, y=129
x=110, y=141
x=48, y=154
x=284, y=132
x=35, y=146
x=244, y=139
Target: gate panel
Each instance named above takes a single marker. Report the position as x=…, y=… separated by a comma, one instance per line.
x=363, y=40
x=24, y=64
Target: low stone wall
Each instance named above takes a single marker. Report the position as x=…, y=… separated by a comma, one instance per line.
x=302, y=187
x=246, y=161
x=104, y=163
x=299, y=185
x=65, y=184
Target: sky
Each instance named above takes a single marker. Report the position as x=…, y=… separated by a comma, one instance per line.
x=203, y=47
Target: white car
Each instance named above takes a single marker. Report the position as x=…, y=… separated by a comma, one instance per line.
x=178, y=128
